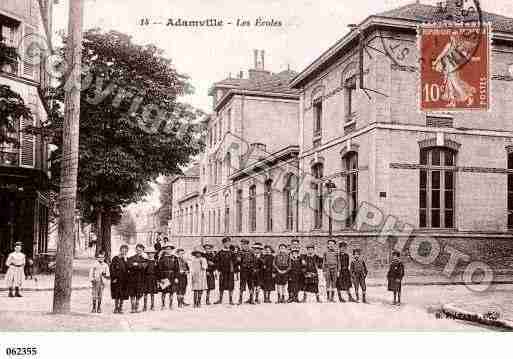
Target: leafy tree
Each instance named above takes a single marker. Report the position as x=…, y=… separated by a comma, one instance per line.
x=132, y=126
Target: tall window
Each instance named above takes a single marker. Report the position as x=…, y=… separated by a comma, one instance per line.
x=351, y=168
x=220, y=128
x=215, y=133
x=252, y=208
x=268, y=204
x=319, y=198
x=239, y=210
x=436, y=195
x=197, y=220
x=9, y=35
x=202, y=222
x=349, y=92
x=228, y=164
x=219, y=220
x=220, y=172
x=317, y=112
x=229, y=117
x=510, y=191
x=226, y=218
x=191, y=224
x=290, y=195
x=214, y=222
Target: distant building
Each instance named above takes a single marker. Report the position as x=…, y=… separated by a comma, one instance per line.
x=237, y=187
x=24, y=170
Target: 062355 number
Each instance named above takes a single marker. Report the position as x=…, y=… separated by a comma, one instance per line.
x=20, y=351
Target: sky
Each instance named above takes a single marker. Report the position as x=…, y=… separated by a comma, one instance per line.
x=211, y=54
x=208, y=55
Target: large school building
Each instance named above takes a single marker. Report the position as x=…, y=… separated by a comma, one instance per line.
x=312, y=154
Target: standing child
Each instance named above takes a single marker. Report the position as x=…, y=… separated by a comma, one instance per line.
x=97, y=275
x=136, y=275
x=344, y=277
x=150, y=281
x=358, y=274
x=167, y=269
x=181, y=278
x=311, y=264
x=295, y=276
x=118, y=279
x=211, y=279
x=267, y=273
x=281, y=266
x=199, y=268
x=331, y=268
x=257, y=270
x=395, y=276
x=15, y=273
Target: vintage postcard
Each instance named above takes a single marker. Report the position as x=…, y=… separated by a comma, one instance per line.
x=170, y=166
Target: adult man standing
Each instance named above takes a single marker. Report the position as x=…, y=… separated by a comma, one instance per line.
x=118, y=279
x=225, y=265
x=247, y=262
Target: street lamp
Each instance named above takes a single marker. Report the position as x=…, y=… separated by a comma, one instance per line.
x=330, y=186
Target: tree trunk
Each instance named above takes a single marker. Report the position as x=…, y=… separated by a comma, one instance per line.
x=106, y=233
x=69, y=164
x=99, y=233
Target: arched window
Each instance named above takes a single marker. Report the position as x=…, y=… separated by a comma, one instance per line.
x=219, y=220
x=214, y=221
x=351, y=174
x=290, y=194
x=202, y=222
x=239, y=210
x=252, y=208
x=191, y=223
x=268, y=205
x=317, y=171
x=197, y=220
x=436, y=192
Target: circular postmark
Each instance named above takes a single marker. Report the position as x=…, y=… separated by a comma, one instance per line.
x=466, y=39
x=32, y=49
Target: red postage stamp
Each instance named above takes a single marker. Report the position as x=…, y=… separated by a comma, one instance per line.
x=455, y=67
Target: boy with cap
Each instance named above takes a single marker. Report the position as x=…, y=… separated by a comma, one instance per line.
x=97, y=275
x=344, y=277
x=295, y=276
x=247, y=263
x=331, y=268
x=136, y=272
x=225, y=265
x=180, y=285
x=358, y=274
x=211, y=268
x=294, y=244
x=395, y=276
x=258, y=270
x=281, y=266
x=167, y=269
x=311, y=264
x=267, y=273
x=118, y=279
x=150, y=281
x=15, y=273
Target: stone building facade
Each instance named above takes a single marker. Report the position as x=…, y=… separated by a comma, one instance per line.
x=434, y=182
x=24, y=168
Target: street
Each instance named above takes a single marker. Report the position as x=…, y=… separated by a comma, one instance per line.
x=416, y=314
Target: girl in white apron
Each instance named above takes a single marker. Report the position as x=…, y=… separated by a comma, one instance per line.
x=15, y=274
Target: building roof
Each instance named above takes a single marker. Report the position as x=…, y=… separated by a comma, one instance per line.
x=429, y=13
x=411, y=14
x=266, y=82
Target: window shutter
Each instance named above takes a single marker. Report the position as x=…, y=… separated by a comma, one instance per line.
x=27, y=139
x=28, y=67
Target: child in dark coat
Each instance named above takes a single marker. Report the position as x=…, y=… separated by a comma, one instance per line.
x=395, y=275
x=281, y=266
x=150, y=282
x=358, y=274
x=181, y=278
x=267, y=284
x=295, y=276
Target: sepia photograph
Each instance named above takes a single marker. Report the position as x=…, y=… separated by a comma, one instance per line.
x=265, y=166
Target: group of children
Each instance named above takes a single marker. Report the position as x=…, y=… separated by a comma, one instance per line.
x=257, y=268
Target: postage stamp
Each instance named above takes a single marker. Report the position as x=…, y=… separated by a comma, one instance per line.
x=455, y=67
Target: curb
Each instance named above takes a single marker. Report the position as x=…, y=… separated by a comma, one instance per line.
x=23, y=290
x=451, y=311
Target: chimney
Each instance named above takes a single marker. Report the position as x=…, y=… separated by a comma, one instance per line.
x=258, y=72
x=255, y=55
